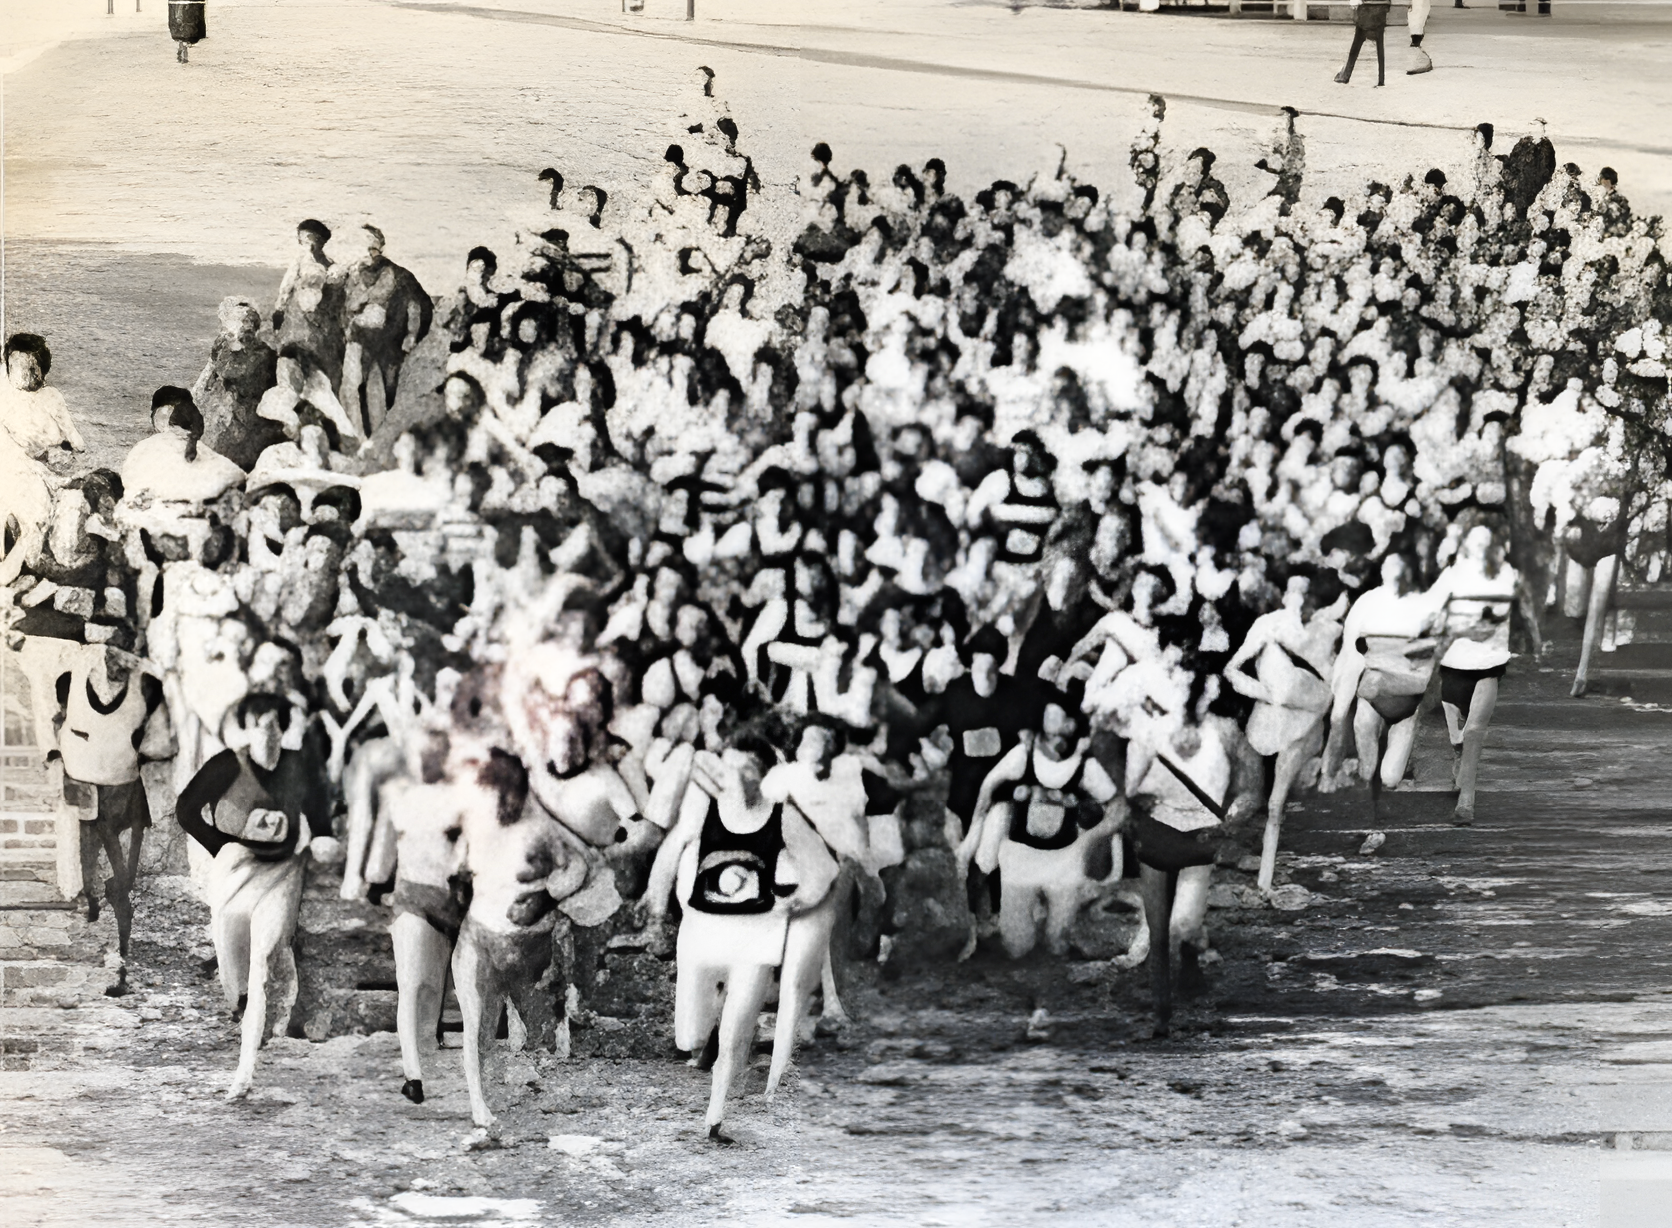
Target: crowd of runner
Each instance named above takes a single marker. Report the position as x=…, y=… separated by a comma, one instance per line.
x=871, y=560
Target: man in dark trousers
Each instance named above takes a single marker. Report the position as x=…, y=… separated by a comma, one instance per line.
x=185, y=26
x=385, y=314
x=1370, y=20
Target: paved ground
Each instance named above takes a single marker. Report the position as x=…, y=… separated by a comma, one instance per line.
x=431, y=119
x=1464, y=1027
x=1449, y=1033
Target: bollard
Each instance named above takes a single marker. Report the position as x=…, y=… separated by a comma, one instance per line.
x=690, y=10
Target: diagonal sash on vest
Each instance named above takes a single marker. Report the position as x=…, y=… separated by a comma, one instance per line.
x=1196, y=790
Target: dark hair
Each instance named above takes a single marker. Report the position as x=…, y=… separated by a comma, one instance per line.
x=1030, y=439
x=220, y=545
x=99, y=484
x=185, y=415
x=314, y=226
x=1485, y=131
x=758, y=748
x=603, y=692
x=344, y=498
x=1207, y=156
x=168, y=394
x=505, y=774
x=286, y=492
x=1437, y=177
x=470, y=381
x=30, y=343
x=990, y=641
x=485, y=256
x=258, y=703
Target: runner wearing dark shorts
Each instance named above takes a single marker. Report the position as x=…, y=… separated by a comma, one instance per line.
x=1478, y=592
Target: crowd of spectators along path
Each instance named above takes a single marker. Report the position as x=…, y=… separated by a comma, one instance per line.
x=867, y=559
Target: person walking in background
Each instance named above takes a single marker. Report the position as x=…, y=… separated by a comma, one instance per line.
x=1415, y=24
x=1370, y=20
x=186, y=26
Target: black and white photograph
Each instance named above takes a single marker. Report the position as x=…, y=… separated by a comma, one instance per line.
x=943, y=613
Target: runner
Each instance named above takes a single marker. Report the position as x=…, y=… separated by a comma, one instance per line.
x=1293, y=654
x=1379, y=680
x=1478, y=592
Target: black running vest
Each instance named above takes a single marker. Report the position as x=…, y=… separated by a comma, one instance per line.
x=736, y=873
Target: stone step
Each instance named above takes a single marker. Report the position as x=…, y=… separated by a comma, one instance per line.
x=30, y=893
x=51, y=982
x=58, y=933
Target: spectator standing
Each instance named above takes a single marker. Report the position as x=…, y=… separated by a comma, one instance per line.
x=385, y=314
x=1370, y=20
x=186, y=26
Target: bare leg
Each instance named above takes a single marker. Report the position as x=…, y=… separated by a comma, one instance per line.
x=696, y=995
x=1602, y=591
x=91, y=844
x=421, y=953
x=1189, y=934
x=372, y=764
x=287, y=987
x=1018, y=913
x=1474, y=740
x=1290, y=760
x=1062, y=905
x=806, y=951
x=1158, y=909
x=479, y=1003
x=231, y=932
x=1340, y=723
x=1190, y=906
x=1367, y=733
x=353, y=386
x=746, y=988
x=833, y=1009
x=1401, y=738
x=389, y=370
x=272, y=921
x=119, y=886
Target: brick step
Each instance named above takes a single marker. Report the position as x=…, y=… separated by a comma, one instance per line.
x=28, y=837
